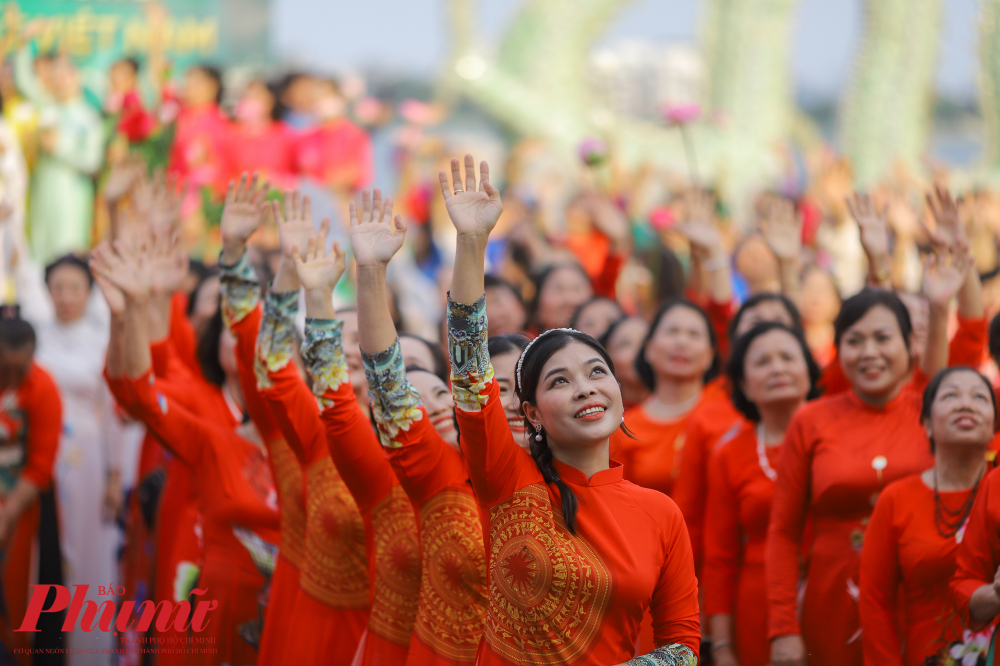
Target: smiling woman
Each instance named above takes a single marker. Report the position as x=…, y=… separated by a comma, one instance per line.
x=576, y=552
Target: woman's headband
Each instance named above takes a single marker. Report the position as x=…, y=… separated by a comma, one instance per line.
x=520, y=361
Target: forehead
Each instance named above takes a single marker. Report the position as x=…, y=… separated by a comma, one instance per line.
x=67, y=272
x=574, y=356
x=565, y=276
x=773, y=341
x=682, y=315
x=505, y=365
x=601, y=307
x=963, y=379
x=877, y=317
x=413, y=347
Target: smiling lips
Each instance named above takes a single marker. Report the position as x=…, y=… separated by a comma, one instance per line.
x=591, y=412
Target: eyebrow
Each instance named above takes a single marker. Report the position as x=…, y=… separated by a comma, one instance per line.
x=557, y=370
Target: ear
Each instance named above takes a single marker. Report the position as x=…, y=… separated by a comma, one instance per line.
x=531, y=413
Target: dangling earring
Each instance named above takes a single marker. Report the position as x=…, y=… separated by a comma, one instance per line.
x=538, y=433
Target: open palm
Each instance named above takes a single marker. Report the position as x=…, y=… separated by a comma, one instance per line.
x=317, y=268
x=944, y=274
x=374, y=238
x=295, y=227
x=873, y=224
x=473, y=212
x=243, y=212
x=127, y=269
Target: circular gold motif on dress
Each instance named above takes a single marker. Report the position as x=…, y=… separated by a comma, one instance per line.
x=453, y=593
x=335, y=567
x=549, y=590
x=397, y=568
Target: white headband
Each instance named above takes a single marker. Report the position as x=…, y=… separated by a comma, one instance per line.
x=520, y=361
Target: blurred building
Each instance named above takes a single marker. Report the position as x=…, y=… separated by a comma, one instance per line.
x=637, y=78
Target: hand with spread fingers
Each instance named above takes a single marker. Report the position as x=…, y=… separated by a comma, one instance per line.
x=699, y=227
x=295, y=226
x=374, y=237
x=873, y=224
x=168, y=262
x=782, y=229
x=319, y=271
x=944, y=274
x=474, y=212
x=112, y=294
x=949, y=228
x=126, y=268
x=242, y=216
x=122, y=178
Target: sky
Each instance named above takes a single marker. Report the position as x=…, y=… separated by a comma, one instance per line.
x=409, y=37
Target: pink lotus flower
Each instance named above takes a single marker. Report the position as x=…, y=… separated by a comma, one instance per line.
x=681, y=114
x=593, y=151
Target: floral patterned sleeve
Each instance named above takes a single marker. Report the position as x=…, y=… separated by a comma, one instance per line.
x=471, y=372
x=240, y=290
x=668, y=655
x=323, y=356
x=276, y=338
x=396, y=404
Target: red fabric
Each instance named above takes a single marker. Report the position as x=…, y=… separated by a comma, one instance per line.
x=827, y=476
x=198, y=153
x=337, y=153
x=31, y=422
x=268, y=150
x=737, y=516
x=453, y=590
x=345, y=436
x=631, y=550
x=978, y=555
x=235, y=489
x=905, y=553
x=712, y=423
x=653, y=458
x=333, y=570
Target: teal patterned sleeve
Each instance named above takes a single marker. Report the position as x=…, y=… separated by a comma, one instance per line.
x=395, y=403
x=668, y=655
x=471, y=371
x=323, y=356
x=240, y=290
x=276, y=339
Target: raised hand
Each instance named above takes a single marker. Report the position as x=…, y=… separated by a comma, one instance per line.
x=872, y=223
x=112, y=294
x=122, y=178
x=319, y=270
x=949, y=229
x=474, y=213
x=165, y=203
x=241, y=216
x=782, y=229
x=168, y=263
x=126, y=268
x=374, y=239
x=698, y=226
x=295, y=227
x=944, y=274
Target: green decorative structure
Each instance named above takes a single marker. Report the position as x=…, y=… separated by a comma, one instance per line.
x=887, y=109
x=989, y=81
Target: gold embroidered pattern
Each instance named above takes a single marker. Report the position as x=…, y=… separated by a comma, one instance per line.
x=397, y=568
x=453, y=593
x=334, y=570
x=291, y=501
x=549, y=591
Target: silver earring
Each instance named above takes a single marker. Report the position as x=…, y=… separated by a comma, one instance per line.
x=538, y=433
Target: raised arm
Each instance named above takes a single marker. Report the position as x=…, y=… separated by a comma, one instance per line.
x=874, y=227
x=707, y=250
x=782, y=230
x=497, y=465
x=944, y=274
x=422, y=460
x=352, y=442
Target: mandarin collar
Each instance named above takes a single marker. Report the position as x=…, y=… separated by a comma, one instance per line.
x=569, y=474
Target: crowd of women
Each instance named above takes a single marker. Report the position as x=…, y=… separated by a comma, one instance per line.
x=717, y=484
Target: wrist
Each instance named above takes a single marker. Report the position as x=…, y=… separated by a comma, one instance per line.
x=232, y=250
x=471, y=240
x=373, y=269
x=319, y=304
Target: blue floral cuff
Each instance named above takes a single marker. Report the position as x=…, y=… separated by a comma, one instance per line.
x=323, y=356
x=395, y=403
x=471, y=371
x=240, y=290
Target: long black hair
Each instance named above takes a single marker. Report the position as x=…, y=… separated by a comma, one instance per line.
x=930, y=394
x=506, y=343
x=526, y=388
x=736, y=369
x=208, y=350
x=645, y=370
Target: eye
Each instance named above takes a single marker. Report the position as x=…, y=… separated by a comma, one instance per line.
x=557, y=380
x=598, y=370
